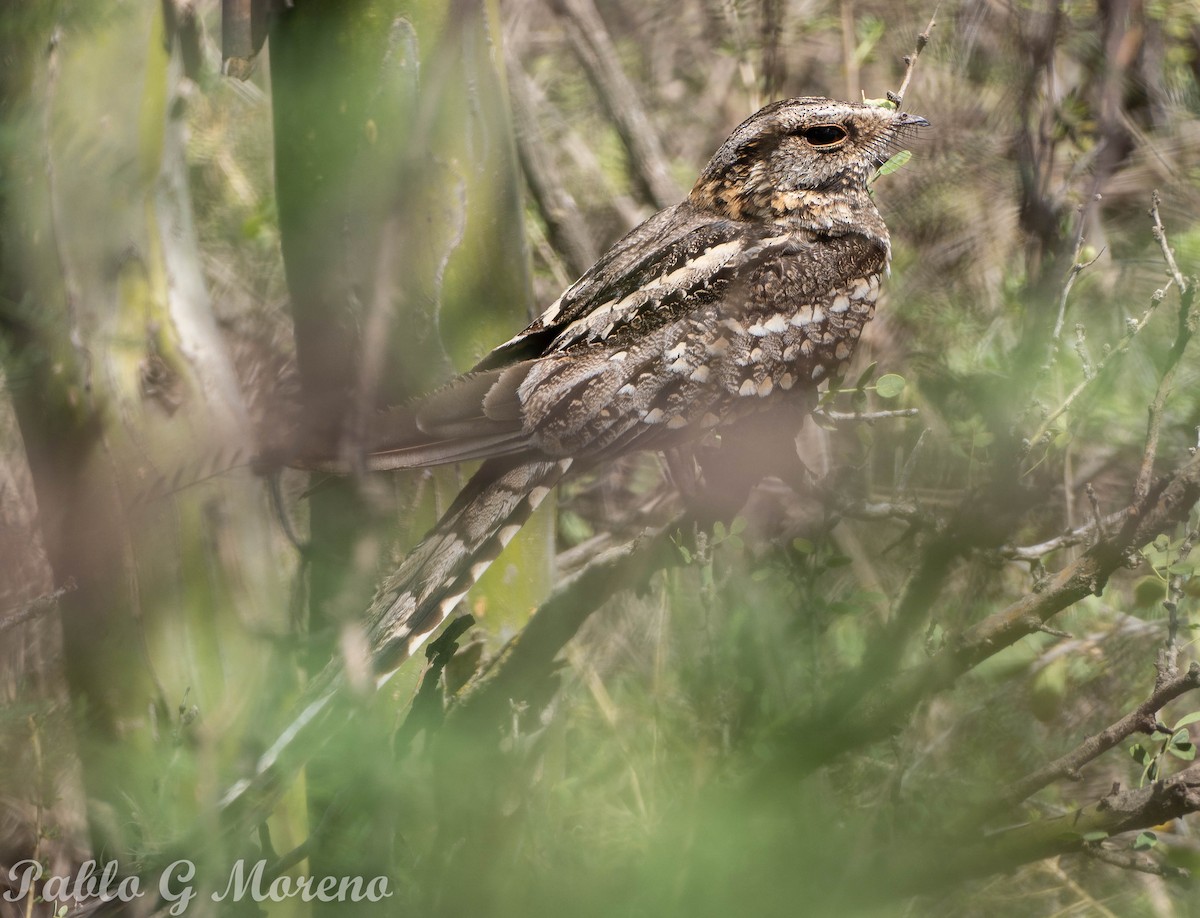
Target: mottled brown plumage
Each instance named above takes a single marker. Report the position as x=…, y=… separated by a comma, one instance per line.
x=752, y=290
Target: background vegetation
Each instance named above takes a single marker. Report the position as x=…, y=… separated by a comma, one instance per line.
x=946, y=665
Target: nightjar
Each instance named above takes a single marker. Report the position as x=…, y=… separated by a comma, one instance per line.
x=752, y=290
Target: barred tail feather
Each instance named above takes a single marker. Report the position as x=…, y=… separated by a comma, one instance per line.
x=415, y=600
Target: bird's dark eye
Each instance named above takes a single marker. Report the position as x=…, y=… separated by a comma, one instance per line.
x=824, y=135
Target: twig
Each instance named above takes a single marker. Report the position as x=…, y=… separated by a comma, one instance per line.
x=1130, y=860
x=1069, y=538
x=868, y=416
x=1161, y=236
x=1077, y=268
x=1171, y=603
x=1141, y=719
x=1183, y=335
x=1133, y=328
x=917, y=867
x=910, y=60
x=37, y=607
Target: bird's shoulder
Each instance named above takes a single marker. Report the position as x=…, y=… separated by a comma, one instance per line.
x=655, y=271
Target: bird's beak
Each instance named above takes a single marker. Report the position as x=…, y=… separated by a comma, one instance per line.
x=904, y=119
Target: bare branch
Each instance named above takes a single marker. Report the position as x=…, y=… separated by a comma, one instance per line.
x=910, y=60
x=36, y=608
x=1076, y=536
x=916, y=869
x=1183, y=336
x=867, y=416
x=1141, y=719
x=1131, y=860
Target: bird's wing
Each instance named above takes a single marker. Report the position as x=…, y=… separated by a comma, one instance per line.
x=649, y=278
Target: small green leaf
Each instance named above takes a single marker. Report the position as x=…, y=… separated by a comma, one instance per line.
x=1138, y=751
x=866, y=376
x=879, y=103
x=718, y=530
x=895, y=161
x=1145, y=841
x=738, y=526
x=1185, y=750
x=889, y=385
x=1098, y=835
x=803, y=546
x=1192, y=718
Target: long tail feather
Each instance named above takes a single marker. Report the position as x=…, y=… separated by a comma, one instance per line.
x=415, y=600
x=410, y=606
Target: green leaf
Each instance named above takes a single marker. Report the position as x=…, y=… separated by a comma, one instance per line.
x=1185, y=750
x=866, y=376
x=718, y=530
x=1192, y=718
x=1145, y=841
x=1138, y=751
x=880, y=103
x=803, y=546
x=895, y=161
x=889, y=385
x=738, y=526
x=1098, y=835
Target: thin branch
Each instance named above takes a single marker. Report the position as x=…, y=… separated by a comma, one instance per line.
x=1187, y=326
x=1141, y=719
x=1131, y=860
x=1160, y=236
x=1077, y=268
x=1071, y=537
x=910, y=60
x=867, y=416
x=918, y=869
x=36, y=608
x=1133, y=328
x=1168, y=662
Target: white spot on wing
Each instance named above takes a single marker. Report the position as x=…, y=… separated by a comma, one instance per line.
x=776, y=324
x=747, y=387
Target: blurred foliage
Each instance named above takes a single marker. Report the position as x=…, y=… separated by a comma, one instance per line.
x=665, y=774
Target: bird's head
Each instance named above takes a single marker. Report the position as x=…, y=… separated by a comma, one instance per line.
x=808, y=159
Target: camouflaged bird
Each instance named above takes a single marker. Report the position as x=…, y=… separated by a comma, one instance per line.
x=752, y=290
